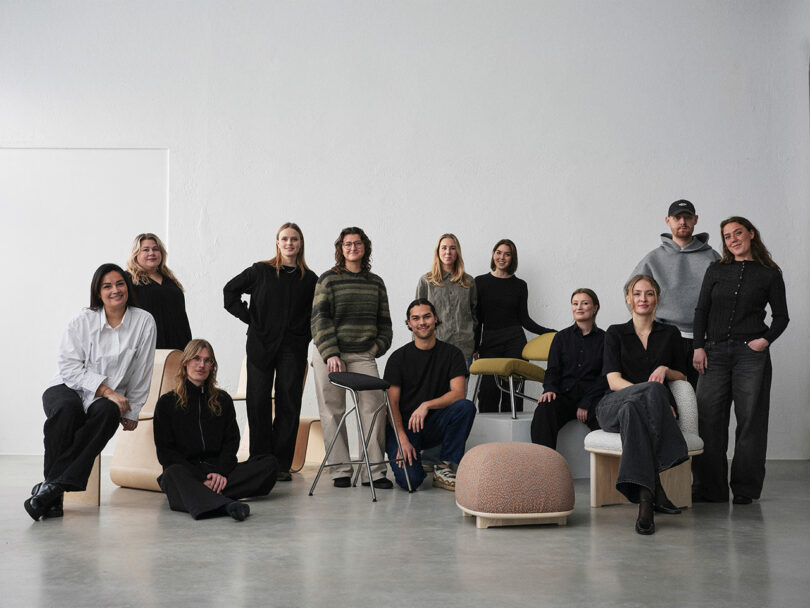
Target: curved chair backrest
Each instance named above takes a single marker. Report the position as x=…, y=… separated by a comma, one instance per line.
x=537, y=349
x=687, y=405
x=164, y=376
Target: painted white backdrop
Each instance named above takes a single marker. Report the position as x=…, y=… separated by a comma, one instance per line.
x=566, y=126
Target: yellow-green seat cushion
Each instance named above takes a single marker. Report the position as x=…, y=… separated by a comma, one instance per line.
x=508, y=367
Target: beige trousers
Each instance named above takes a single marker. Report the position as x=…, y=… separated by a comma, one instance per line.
x=332, y=405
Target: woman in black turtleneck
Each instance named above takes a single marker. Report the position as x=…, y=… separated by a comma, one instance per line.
x=732, y=356
x=197, y=437
x=278, y=336
x=502, y=312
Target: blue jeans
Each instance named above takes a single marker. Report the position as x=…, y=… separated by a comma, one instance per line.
x=734, y=373
x=448, y=427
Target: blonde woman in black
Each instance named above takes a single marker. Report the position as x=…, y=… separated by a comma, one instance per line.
x=197, y=437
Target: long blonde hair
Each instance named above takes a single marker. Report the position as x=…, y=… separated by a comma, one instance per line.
x=192, y=350
x=278, y=261
x=457, y=275
x=139, y=274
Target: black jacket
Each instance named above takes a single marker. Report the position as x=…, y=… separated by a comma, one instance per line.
x=193, y=434
x=279, y=312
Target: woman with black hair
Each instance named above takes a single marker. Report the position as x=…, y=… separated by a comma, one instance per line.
x=503, y=313
x=104, y=372
x=197, y=437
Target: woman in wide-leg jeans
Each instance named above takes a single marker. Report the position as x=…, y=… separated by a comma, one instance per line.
x=732, y=355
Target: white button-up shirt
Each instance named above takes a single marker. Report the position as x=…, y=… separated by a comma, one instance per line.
x=92, y=353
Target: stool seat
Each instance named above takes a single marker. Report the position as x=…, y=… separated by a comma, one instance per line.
x=502, y=366
x=358, y=382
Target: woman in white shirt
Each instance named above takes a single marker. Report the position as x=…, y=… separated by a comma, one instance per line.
x=105, y=369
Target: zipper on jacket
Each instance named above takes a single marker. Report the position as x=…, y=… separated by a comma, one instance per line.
x=199, y=416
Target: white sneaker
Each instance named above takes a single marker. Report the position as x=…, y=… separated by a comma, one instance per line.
x=444, y=477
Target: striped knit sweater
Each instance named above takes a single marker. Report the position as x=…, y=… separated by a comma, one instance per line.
x=350, y=314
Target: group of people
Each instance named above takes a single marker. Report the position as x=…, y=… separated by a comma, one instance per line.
x=614, y=379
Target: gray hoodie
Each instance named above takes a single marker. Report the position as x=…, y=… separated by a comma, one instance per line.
x=679, y=272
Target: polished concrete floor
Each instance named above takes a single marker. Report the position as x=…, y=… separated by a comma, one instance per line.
x=337, y=548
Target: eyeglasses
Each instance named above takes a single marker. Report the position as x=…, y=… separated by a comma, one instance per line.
x=353, y=245
x=206, y=361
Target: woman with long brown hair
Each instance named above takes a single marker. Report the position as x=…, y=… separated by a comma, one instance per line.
x=159, y=292
x=278, y=320
x=197, y=437
x=732, y=356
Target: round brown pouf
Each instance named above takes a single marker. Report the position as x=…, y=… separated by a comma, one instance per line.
x=514, y=483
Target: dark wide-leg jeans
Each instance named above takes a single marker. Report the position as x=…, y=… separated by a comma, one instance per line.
x=734, y=373
x=271, y=434
x=73, y=437
x=651, y=439
x=183, y=485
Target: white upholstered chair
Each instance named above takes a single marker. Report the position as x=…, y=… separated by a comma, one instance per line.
x=606, y=451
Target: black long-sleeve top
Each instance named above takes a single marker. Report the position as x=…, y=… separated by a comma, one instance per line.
x=732, y=303
x=577, y=359
x=194, y=434
x=503, y=303
x=279, y=312
x=167, y=304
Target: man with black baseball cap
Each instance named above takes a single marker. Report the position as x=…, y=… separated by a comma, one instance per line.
x=678, y=264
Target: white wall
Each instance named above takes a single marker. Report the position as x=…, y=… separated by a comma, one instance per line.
x=566, y=126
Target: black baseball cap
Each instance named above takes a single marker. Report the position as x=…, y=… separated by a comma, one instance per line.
x=681, y=206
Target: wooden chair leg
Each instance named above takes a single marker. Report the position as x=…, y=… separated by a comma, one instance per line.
x=92, y=495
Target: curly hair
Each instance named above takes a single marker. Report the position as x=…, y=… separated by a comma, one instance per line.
x=340, y=259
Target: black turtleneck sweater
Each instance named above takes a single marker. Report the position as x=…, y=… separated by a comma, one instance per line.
x=194, y=434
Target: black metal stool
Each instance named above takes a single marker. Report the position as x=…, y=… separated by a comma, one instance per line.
x=355, y=383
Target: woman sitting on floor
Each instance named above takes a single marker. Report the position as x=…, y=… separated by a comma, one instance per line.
x=640, y=357
x=197, y=437
x=105, y=367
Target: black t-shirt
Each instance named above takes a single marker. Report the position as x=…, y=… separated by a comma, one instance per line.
x=624, y=352
x=423, y=375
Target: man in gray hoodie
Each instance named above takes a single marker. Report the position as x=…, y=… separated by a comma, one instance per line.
x=678, y=265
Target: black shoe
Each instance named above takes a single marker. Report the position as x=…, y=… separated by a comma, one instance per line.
x=739, y=499
x=47, y=495
x=55, y=510
x=342, y=482
x=666, y=507
x=645, y=525
x=383, y=483
x=238, y=510
x=284, y=476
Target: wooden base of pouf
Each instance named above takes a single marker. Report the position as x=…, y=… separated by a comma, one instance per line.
x=92, y=494
x=490, y=520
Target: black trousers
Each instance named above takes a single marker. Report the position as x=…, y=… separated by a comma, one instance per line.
x=73, y=437
x=651, y=439
x=507, y=342
x=549, y=418
x=269, y=434
x=183, y=485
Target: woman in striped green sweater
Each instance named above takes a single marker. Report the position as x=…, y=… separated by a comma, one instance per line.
x=351, y=327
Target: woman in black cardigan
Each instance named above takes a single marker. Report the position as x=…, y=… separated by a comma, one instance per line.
x=732, y=356
x=278, y=336
x=197, y=437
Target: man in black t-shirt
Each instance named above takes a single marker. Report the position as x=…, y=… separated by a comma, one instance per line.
x=427, y=398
